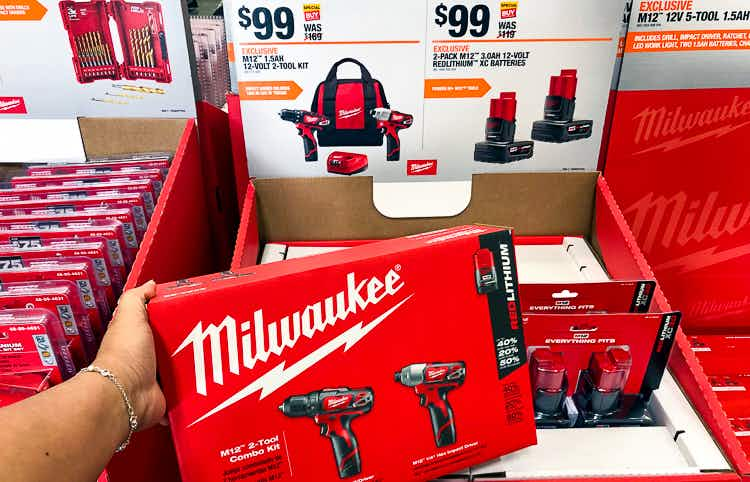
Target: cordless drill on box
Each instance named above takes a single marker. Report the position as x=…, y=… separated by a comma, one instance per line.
x=432, y=382
x=334, y=409
x=307, y=124
x=499, y=145
x=559, y=106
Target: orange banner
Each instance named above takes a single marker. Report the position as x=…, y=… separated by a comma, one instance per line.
x=15, y=10
x=230, y=51
x=687, y=40
x=455, y=88
x=269, y=90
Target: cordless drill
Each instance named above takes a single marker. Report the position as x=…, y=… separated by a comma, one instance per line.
x=390, y=122
x=307, y=123
x=334, y=409
x=432, y=382
x=559, y=107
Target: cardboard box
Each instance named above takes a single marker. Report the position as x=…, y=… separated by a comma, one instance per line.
x=391, y=283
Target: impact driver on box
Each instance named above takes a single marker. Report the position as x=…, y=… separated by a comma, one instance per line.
x=390, y=122
x=334, y=409
x=307, y=124
x=432, y=382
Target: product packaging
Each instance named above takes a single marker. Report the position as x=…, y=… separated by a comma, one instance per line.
x=309, y=386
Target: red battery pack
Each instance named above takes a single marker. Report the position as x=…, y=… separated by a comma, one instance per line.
x=32, y=340
x=346, y=163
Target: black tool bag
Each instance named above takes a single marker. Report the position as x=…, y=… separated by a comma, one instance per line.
x=348, y=104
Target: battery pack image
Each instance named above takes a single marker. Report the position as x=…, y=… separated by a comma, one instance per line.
x=499, y=146
x=559, y=107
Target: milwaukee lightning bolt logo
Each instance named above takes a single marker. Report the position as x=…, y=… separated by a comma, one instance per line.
x=248, y=343
x=672, y=129
x=347, y=113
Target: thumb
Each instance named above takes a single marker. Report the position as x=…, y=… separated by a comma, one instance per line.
x=135, y=299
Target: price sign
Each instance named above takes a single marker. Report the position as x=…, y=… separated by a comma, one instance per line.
x=267, y=23
x=461, y=19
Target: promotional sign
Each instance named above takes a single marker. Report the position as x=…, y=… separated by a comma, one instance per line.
x=98, y=58
x=432, y=89
x=681, y=115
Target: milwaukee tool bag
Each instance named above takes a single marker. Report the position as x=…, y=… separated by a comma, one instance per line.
x=348, y=103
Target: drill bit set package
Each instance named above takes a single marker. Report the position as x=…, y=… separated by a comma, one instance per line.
x=140, y=29
x=345, y=366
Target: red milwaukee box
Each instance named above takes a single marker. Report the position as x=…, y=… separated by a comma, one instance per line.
x=86, y=189
x=32, y=340
x=77, y=270
x=24, y=235
x=96, y=167
x=325, y=367
x=133, y=235
x=63, y=299
x=93, y=248
x=154, y=175
x=68, y=201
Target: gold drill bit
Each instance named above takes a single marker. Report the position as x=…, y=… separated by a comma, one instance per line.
x=138, y=88
x=92, y=49
x=81, y=57
x=126, y=96
x=110, y=101
x=87, y=49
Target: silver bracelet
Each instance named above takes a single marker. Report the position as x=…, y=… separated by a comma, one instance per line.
x=132, y=418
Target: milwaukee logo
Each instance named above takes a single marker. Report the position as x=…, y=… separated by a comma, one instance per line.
x=336, y=402
x=12, y=105
x=676, y=125
x=345, y=114
x=663, y=221
x=436, y=373
x=421, y=167
x=245, y=344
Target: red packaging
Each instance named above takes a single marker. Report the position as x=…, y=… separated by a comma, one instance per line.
x=154, y=175
x=143, y=186
x=142, y=16
x=49, y=219
x=26, y=236
x=376, y=316
x=77, y=270
x=16, y=387
x=87, y=24
x=96, y=167
x=93, y=248
x=103, y=200
x=62, y=298
x=647, y=336
x=32, y=340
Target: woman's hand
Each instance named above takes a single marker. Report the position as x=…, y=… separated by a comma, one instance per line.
x=127, y=350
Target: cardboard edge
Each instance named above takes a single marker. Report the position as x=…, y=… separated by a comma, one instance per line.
x=248, y=231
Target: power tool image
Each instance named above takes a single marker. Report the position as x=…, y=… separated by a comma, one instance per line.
x=432, y=382
x=334, y=409
x=307, y=124
x=499, y=145
x=559, y=106
x=390, y=122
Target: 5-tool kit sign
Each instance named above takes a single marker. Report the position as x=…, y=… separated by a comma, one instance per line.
x=388, y=91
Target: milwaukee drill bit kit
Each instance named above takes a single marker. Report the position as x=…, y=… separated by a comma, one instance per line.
x=69, y=235
x=326, y=384
x=142, y=40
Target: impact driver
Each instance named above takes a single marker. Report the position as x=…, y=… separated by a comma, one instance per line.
x=334, y=409
x=307, y=123
x=432, y=382
x=390, y=122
